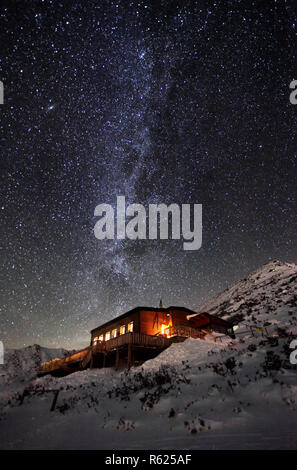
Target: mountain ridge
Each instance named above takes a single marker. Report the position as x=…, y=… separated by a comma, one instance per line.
x=269, y=290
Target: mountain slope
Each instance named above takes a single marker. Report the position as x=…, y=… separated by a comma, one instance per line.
x=267, y=297
x=22, y=364
x=194, y=395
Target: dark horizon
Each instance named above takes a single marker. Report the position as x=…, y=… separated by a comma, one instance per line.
x=148, y=306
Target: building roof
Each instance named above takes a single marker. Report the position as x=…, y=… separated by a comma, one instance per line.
x=136, y=309
x=204, y=318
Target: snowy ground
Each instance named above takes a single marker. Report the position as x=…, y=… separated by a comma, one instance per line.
x=195, y=395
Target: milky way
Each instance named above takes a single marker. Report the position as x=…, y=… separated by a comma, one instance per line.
x=184, y=102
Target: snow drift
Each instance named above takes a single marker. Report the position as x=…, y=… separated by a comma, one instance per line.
x=22, y=364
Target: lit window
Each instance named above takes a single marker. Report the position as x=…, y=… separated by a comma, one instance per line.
x=122, y=330
x=107, y=336
x=130, y=327
x=101, y=338
x=95, y=340
x=114, y=333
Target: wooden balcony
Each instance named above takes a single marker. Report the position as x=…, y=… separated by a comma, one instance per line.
x=105, y=349
x=137, y=339
x=183, y=331
x=81, y=359
x=65, y=363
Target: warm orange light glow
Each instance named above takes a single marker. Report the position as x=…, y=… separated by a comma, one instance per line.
x=164, y=331
x=164, y=327
x=122, y=330
x=114, y=333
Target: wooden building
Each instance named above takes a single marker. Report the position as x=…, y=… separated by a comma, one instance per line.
x=159, y=321
x=145, y=320
x=138, y=335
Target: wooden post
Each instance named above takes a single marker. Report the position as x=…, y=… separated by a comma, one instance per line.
x=25, y=392
x=129, y=355
x=55, y=400
x=117, y=359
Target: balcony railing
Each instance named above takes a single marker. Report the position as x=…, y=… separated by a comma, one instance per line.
x=83, y=357
x=184, y=331
x=138, y=339
x=63, y=362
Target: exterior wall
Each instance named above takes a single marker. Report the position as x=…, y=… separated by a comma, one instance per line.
x=179, y=317
x=117, y=323
x=146, y=321
x=204, y=320
x=151, y=321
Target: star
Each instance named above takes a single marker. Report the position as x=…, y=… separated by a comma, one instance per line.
x=181, y=104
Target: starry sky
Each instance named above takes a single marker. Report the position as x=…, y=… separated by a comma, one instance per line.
x=168, y=101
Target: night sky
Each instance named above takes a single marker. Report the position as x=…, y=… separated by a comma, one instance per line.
x=163, y=102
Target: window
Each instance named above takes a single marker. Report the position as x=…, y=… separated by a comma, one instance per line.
x=114, y=333
x=101, y=338
x=107, y=335
x=130, y=326
x=95, y=340
x=122, y=330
